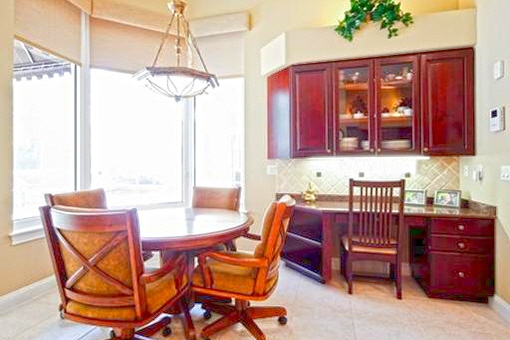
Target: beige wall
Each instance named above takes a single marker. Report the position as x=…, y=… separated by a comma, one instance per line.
x=492, y=149
x=270, y=19
x=24, y=264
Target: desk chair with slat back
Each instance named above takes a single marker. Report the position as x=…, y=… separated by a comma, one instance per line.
x=245, y=277
x=95, y=198
x=217, y=198
x=376, y=217
x=100, y=274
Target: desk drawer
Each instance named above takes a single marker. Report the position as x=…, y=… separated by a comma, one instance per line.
x=460, y=244
x=465, y=227
x=462, y=274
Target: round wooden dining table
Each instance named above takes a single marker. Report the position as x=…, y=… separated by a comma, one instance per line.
x=187, y=229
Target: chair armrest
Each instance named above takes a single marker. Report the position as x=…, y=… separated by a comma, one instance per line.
x=252, y=236
x=178, y=261
x=229, y=259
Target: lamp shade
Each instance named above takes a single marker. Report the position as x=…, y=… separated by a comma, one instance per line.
x=178, y=81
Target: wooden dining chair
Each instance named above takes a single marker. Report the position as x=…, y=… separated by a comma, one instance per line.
x=218, y=198
x=95, y=198
x=376, y=217
x=245, y=277
x=100, y=274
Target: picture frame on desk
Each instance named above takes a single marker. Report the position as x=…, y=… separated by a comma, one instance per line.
x=415, y=197
x=448, y=198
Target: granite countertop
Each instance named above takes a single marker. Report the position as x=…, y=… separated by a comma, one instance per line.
x=340, y=204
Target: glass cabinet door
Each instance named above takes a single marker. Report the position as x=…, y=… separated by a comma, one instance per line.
x=397, y=116
x=352, y=106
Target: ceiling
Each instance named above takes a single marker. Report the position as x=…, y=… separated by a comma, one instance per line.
x=196, y=8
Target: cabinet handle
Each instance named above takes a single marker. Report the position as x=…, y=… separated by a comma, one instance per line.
x=372, y=150
x=461, y=245
x=462, y=275
x=328, y=150
x=378, y=149
x=425, y=149
x=461, y=227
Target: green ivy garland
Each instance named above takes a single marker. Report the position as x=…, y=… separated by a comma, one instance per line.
x=385, y=11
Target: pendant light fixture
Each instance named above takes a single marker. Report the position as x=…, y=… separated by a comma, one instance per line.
x=180, y=80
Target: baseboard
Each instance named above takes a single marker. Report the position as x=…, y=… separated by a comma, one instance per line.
x=371, y=267
x=500, y=306
x=27, y=293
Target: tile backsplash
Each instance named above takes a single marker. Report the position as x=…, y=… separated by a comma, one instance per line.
x=331, y=176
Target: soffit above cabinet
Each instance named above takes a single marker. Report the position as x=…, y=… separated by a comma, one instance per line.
x=436, y=31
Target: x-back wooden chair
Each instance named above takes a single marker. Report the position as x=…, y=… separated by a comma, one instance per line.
x=94, y=198
x=218, y=198
x=100, y=274
x=376, y=217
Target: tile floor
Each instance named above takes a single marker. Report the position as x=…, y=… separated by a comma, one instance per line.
x=315, y=311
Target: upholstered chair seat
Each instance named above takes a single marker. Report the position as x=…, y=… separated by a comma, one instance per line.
x=245, y=277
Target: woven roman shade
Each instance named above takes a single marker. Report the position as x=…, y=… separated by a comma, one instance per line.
x=50, y=25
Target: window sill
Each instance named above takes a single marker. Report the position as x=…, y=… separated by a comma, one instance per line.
x=26, y=231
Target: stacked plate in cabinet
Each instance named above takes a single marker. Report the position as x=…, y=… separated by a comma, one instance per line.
x=349, y=143
x=396, y=144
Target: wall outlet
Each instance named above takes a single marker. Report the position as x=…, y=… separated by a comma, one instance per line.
x=318, y=174
x=272, y=169
x=466, y=170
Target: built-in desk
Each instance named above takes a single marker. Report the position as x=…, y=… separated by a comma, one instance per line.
x=450, y=251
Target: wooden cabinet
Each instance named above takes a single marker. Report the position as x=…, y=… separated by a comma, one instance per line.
x=376, y=105
x=303, y=249
x=454, y=258
x=299, y=112
x=312, y=126
x=410, y=104
x=447, y=85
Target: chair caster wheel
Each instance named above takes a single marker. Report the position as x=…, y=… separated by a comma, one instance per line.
x=282, y=320
x=112, y=335
x=167, y=331
x=61, y=315
x=207, y=315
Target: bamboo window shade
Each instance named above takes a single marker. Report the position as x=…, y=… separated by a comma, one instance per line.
x=124, y=37
x=50, y=25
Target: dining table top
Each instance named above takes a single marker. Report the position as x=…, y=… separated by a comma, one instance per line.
x=190, y=228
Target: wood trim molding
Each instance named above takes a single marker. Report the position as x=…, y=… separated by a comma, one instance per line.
x=27, y=293
x=500, y=306
x=28, y=234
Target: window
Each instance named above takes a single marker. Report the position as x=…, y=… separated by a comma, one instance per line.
x=141, y=143
x=137, y=141
x=43, y=129
x=219, y=135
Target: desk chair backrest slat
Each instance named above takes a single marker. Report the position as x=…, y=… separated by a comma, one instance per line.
x=376, y=211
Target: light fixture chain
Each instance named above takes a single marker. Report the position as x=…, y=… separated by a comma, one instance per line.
x=160, y=49
x=195, y=45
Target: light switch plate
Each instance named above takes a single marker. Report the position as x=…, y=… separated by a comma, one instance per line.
x=505, y=173
x=499, y=69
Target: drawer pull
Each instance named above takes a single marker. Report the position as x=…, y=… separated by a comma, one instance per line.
x=461, y=245
x=462, y=275
x=461, y=227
